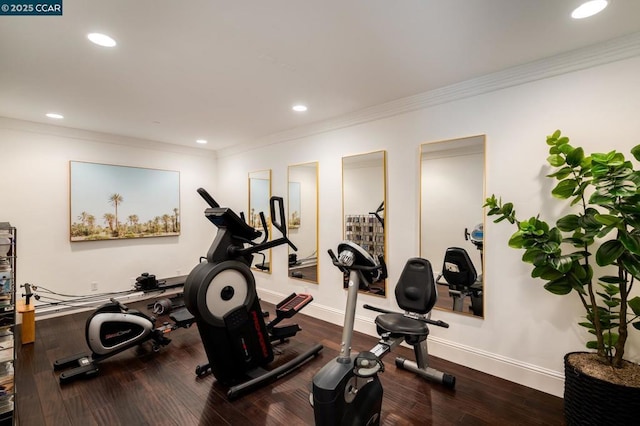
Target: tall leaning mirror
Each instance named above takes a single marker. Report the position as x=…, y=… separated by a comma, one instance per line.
x=452, y=218
x=259, y=195
x=302, y=221
x=364, y=202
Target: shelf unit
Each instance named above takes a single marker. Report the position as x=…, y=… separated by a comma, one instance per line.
x=8, y=235
x=366, y=231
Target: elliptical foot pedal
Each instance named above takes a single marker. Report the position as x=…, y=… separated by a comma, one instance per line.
x=83, y=371
x=284, y=332
x=293, y=304
x=182, y=317
x=70, y=360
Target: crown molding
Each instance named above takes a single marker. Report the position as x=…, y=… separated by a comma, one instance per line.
x=599, y=54
x=89, y=135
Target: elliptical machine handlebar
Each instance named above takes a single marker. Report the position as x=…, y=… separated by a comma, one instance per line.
x=208, y=198
x=121, y=305
x=278, y=222
x=242, y=231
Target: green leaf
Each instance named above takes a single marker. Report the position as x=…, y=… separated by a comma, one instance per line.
x=561, y=174
x=534, y=255
x=611, y=339
x=631, y=263
x=611, y=279
x=592, y=344
x=605, y=230
x=568, y=223
x=560, y=286
x=636, y=325
x=635, y=151
x=574, y=158
x=562, y=263
x=630, y=242
x=565, y=148
x=609, y=252
x=634, y=304
x=587, y=325
x=516, y=240
x=548, y=273
x=599, y=169
x=564, y=189
x=555, y=160
x=551, y=140
x=608, y=219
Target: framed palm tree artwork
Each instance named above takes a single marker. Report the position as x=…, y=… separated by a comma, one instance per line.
x=110, y=202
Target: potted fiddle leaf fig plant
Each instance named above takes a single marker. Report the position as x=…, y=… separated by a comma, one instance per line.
x=592, y=253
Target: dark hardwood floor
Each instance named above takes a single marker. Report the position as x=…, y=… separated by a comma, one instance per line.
x=139, y=387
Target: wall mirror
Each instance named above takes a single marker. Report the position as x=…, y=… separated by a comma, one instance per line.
x=364, y=192
x=452, y=218
x=259, y=196
x=302, y=221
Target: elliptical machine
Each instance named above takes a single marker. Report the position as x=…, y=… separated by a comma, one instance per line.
x=347, y=390
x=114, y=328
x=221, y=294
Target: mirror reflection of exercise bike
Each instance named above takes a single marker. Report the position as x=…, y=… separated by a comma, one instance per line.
x=221, y=294
x=459, y=274
x=347, y=390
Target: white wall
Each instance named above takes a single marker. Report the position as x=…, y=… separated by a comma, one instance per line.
x=35, y=199
x=526, y=330
x=363, y=185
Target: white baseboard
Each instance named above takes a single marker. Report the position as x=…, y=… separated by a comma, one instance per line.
x=533, y=376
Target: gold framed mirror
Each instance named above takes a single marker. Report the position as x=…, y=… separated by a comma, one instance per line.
x=302, y=221
x=259, y=196
x=452, y=176
x=364, y=206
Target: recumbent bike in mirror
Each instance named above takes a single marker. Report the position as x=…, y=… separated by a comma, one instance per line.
x=221, y=294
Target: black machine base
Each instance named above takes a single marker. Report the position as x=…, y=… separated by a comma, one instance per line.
x=259, y=377
x=85, y=367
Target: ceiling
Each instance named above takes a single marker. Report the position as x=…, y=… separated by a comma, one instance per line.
x=230, y=71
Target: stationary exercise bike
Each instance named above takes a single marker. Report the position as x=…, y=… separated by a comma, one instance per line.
x=114, y=328
x=221, y=294
x=347, y=390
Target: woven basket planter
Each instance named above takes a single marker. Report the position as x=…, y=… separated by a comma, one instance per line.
x=591, y=401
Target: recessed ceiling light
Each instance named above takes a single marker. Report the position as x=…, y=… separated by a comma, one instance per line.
x=589, y=8
x=55, y=116
x=101, y=39
x=201, y=141
x=299, y=108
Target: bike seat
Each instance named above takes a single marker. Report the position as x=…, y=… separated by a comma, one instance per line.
x=402, y=325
